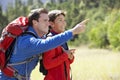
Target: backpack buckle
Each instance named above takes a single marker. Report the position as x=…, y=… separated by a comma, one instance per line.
x=18, y=76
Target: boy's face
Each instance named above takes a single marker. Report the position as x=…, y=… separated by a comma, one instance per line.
x=59, y=24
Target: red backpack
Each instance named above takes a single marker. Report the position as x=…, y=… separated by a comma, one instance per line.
x=9, y=33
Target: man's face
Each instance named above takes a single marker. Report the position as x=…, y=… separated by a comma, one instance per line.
x=59, y=24
x=43, y=24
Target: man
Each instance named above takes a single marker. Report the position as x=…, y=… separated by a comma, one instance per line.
x=28, y=46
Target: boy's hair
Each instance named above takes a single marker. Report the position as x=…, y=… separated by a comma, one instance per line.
x=35, y=14
x=54, y=13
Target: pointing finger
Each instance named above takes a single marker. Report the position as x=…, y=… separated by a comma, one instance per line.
x=84, y=21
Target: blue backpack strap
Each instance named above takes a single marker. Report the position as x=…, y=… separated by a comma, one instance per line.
x=29, y=33
x=27, y=60
x=16, y=75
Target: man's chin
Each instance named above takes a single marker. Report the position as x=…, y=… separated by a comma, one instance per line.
x=46, y=32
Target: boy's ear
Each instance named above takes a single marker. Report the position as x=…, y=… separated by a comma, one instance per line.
x=51, y=24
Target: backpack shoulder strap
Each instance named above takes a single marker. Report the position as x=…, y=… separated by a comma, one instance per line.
x=29, y=59
x=23, y=62
x=29, y=33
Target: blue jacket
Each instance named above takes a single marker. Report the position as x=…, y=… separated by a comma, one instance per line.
x=27, y=46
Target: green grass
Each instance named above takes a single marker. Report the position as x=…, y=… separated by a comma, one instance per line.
x=91, y=64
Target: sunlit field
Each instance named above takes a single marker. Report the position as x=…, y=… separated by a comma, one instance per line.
x=91, y=64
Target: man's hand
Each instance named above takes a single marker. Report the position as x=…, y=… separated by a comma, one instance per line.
x=80, y=27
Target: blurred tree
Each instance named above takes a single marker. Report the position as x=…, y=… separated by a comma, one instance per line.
x=15, y=10
x=52, y=1
x=77, y=10
x=34, y=4
x=76, y=1
x=30, y=2
x=3, y=20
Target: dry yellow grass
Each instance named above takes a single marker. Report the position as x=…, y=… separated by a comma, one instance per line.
x=92, y=64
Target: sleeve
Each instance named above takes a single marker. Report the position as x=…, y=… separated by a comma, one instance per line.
x=34, y=46
x=50, y=60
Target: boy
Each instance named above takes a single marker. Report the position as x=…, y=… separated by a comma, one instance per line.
x=57, y=61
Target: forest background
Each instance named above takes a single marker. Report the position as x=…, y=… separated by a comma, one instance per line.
x=102, y=30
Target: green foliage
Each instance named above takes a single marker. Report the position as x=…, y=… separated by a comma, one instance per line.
x=114, y=35
x=101, y=31
x=98, y=36
x=3, y=20
x=13, y=12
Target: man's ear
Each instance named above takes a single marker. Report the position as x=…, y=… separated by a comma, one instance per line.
x=34, y=22
x=51, y=24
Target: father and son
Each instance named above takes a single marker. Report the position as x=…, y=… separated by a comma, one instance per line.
x=50, y=41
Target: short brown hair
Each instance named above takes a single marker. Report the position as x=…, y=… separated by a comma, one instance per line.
x=35, y=14
x=54, y=13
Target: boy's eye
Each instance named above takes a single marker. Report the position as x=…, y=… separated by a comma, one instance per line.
x=59, y=20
